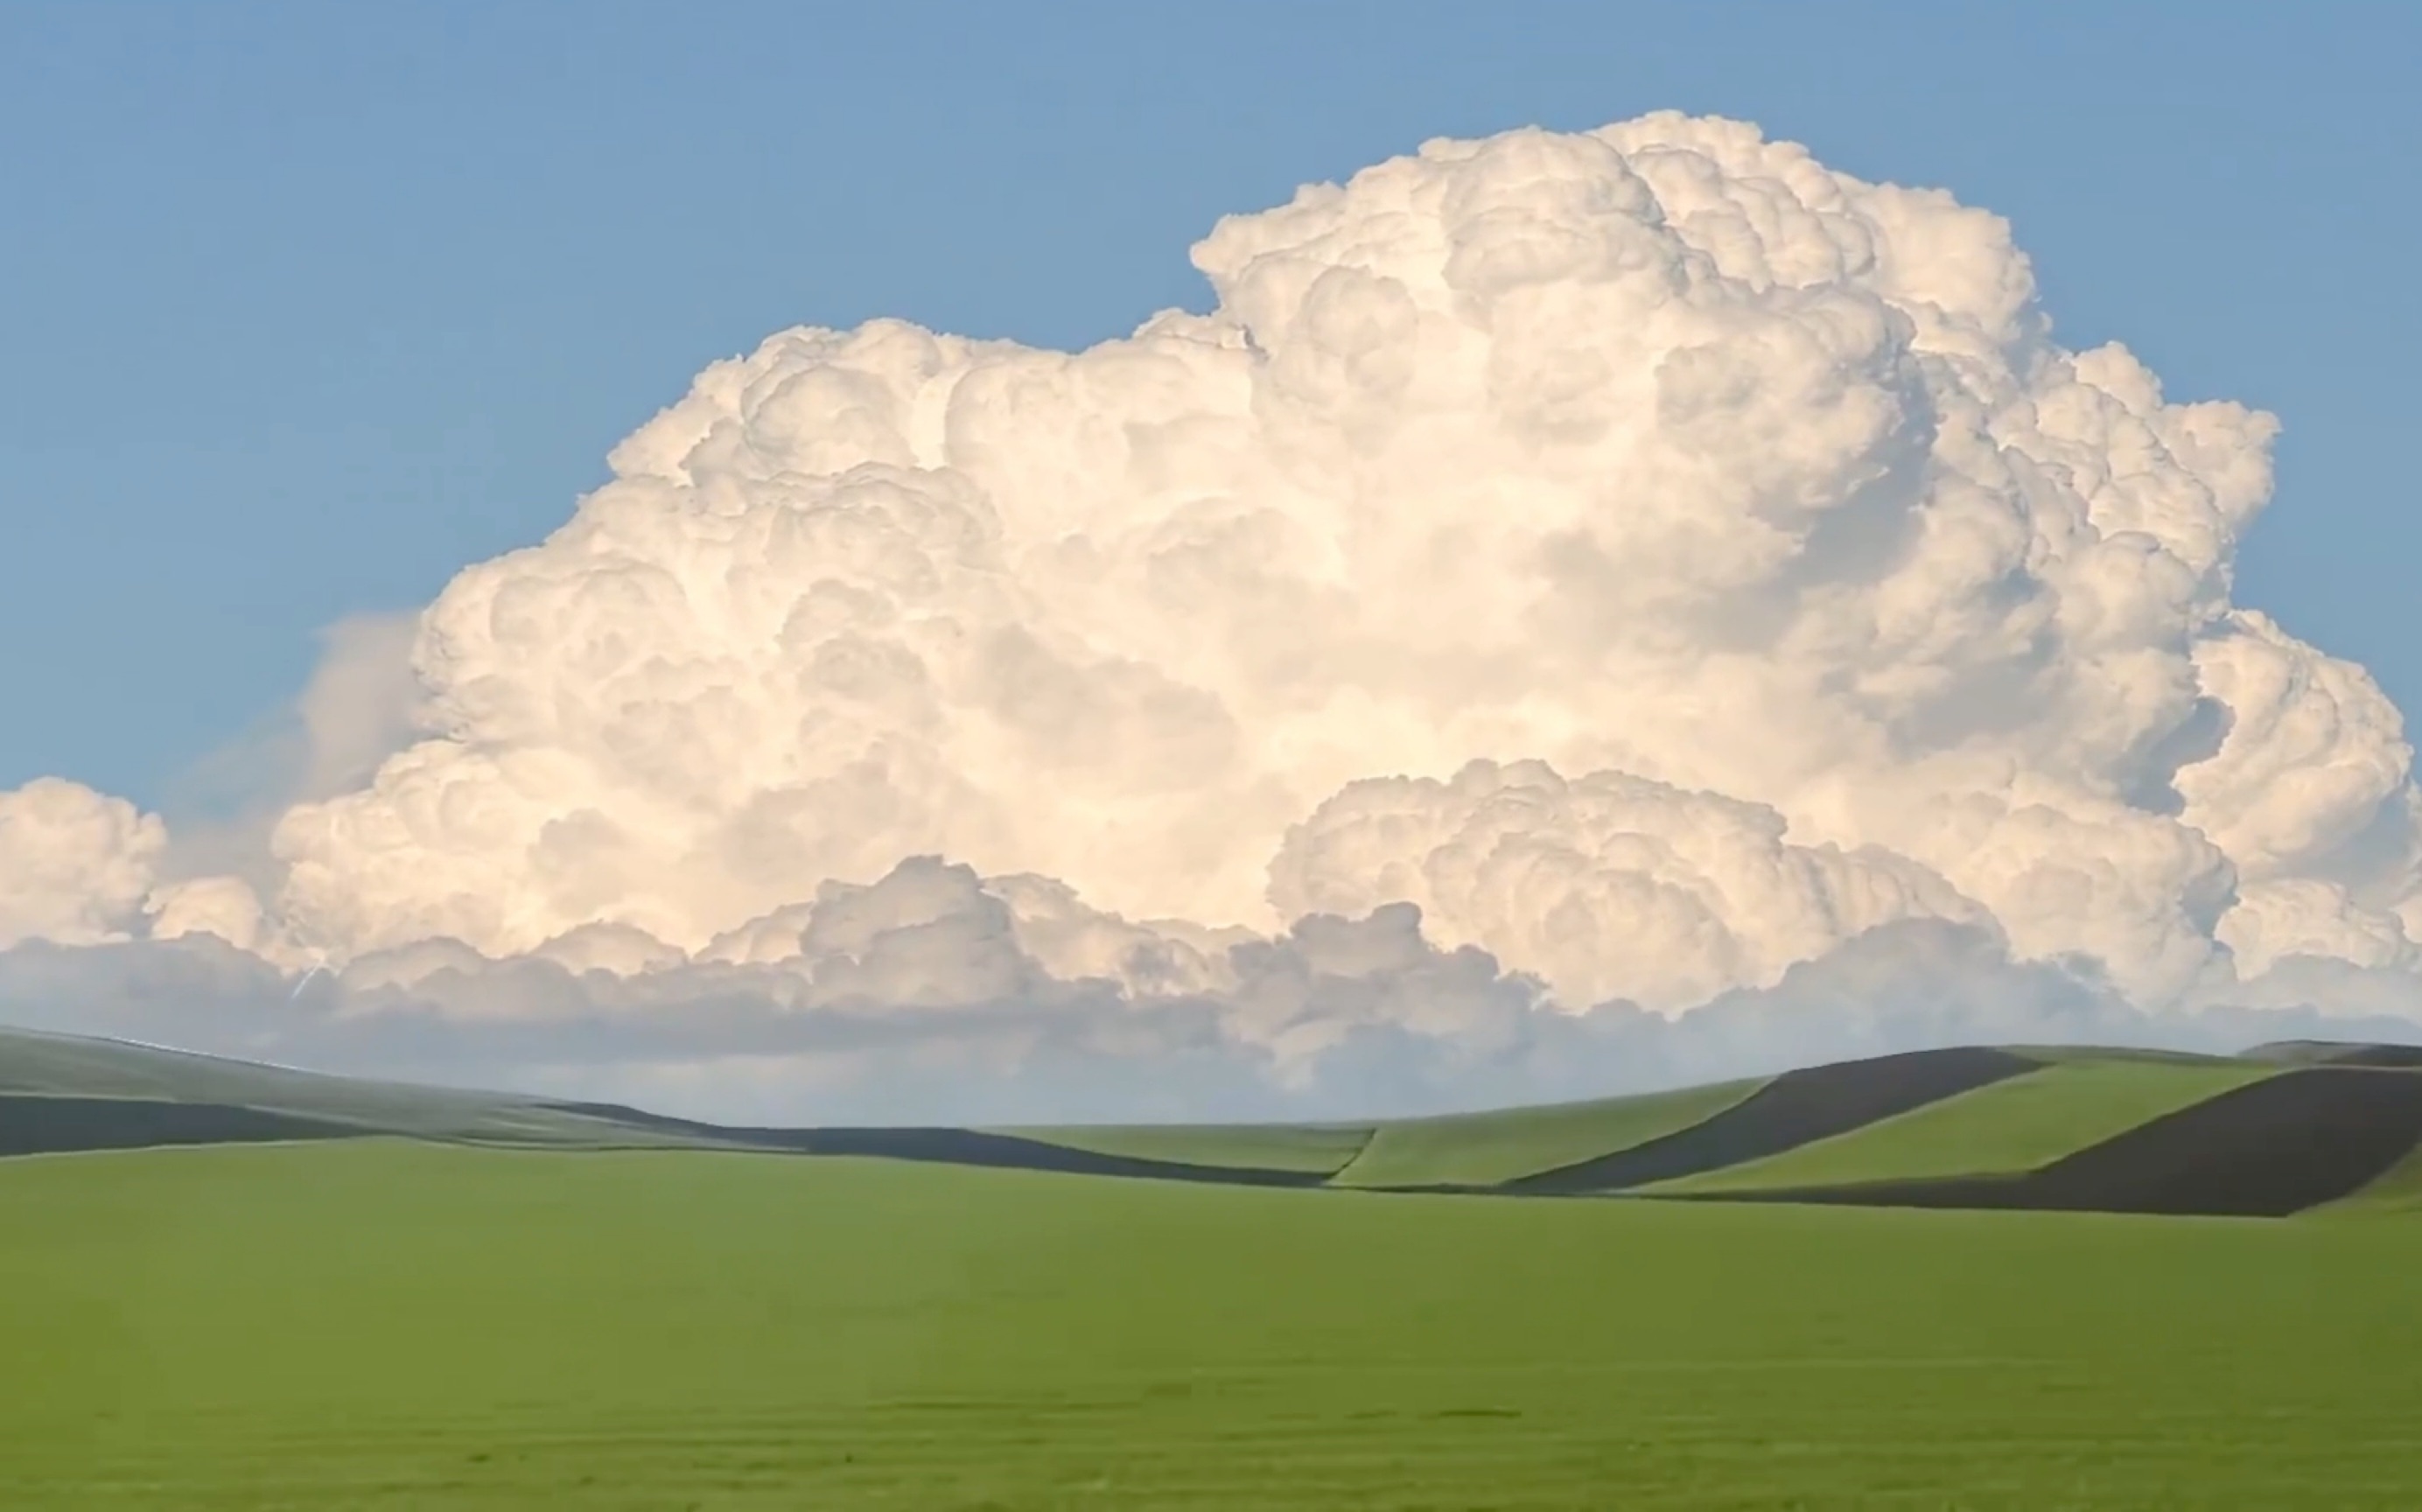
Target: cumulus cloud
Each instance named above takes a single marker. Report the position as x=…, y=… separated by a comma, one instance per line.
x=74, y=864
x=1646, y=560
x=1611, y=885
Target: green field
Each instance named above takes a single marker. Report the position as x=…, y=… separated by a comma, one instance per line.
x=2003, y=1130
x=385, y=1325
x=484, y=1300
x=1484, y=1149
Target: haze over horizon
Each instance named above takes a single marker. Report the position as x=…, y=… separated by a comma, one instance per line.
x=1578, y=610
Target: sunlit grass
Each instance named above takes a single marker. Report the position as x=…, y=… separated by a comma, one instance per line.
x=385, y=1325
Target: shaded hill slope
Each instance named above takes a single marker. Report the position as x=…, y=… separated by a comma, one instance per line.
x=1311, y=1149
x=1795, y=1109
x=2270, y=1148
x=2007, y=1128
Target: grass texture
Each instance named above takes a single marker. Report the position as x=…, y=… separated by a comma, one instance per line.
x=382, y=1325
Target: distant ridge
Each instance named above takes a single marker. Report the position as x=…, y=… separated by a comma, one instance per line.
x=2284, y=1129
x=2337, y=1052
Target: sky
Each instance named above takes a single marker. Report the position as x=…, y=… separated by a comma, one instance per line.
x=309, y=307
x=1090, y=559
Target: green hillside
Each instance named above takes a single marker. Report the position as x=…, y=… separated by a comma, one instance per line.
x=1485, y=1149
x=2004, y=1128
x=382, y=1325
x=1313, y=1148
x=59, y=1066
x=2073, y=1129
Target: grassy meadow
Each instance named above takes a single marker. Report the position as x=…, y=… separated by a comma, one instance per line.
x=387, y=1325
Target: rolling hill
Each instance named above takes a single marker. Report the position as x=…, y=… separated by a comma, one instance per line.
x=2278, y=1130
x=371, y=1295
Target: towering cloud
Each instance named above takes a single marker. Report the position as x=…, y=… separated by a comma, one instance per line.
x=1660, y=557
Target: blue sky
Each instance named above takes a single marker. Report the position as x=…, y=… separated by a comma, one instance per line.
x=304, y=306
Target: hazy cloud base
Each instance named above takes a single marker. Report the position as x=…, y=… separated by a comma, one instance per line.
x=1341, y=1020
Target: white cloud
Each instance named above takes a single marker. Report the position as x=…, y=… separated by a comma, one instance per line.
x=74, y=864
x=1611, y=886
x=1666, y=561
x=224, y=906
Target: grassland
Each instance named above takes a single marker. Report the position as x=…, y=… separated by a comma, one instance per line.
x=1485, y=1149
x=508, y=1307
x=2001, y=1130
x=377, y=1324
